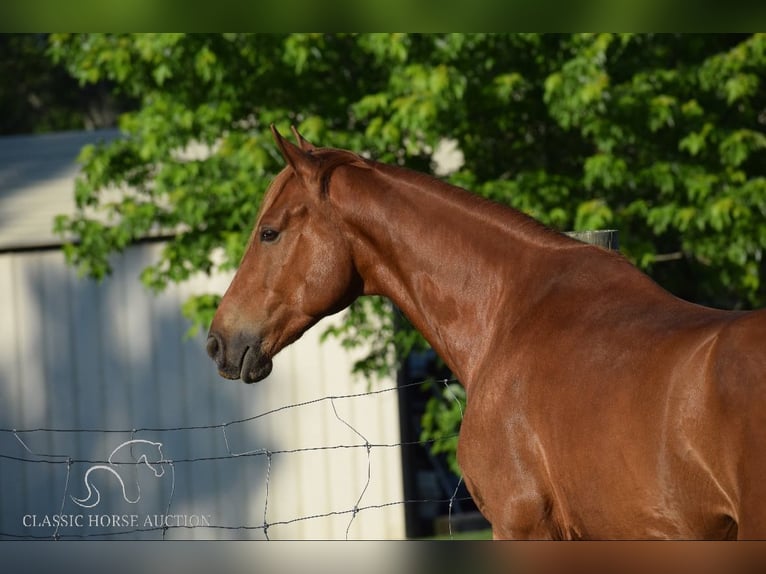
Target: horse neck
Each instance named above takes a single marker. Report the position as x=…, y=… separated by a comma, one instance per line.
x=448, y=259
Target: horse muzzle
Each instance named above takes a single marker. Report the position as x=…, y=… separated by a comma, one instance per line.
x=243, y=358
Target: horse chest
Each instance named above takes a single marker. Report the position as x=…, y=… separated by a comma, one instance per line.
x=506, y=470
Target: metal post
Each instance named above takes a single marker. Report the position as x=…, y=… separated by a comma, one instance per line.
x=606, y=238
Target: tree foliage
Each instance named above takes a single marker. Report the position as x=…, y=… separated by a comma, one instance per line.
x=660, y=136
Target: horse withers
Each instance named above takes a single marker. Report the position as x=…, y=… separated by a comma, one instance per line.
x=598, y=405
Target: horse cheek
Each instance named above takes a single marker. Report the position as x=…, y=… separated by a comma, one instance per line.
x=328, y=280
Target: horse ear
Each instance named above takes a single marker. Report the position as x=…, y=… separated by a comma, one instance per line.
x=304, y=144
x=303, y=163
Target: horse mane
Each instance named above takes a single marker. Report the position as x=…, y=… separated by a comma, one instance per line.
x=494, y=211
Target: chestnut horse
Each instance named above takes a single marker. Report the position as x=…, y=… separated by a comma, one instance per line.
x=598, y=405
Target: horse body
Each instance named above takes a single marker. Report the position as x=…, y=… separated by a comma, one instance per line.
x=619, y=428
x=598, y=405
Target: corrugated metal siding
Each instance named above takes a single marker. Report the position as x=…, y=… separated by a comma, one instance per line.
x=37, y=175
x=76, y=354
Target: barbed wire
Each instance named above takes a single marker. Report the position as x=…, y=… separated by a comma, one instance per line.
x=158, y=465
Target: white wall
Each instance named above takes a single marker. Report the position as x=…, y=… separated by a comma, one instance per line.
x=37, y=175
x=78, y=355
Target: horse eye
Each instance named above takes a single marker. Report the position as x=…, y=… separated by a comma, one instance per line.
x=269, y=235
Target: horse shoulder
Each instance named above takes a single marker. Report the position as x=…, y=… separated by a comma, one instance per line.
x=738, y=371
x=739, y=361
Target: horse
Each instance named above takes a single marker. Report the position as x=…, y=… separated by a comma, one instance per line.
x=599, y=405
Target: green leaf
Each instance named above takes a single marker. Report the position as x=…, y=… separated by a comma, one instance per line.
x=199, y=310
x=741, y=86
x=696, y=142
x=739, y=145
x=593, y=214
x=720, y=213
x=604, y=170
x=662, y=110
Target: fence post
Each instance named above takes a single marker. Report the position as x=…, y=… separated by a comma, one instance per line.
x=606, y=238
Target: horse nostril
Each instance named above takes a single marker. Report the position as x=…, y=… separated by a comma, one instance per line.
x=213, y=346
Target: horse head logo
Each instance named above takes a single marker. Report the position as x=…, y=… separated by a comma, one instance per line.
x=151, y=455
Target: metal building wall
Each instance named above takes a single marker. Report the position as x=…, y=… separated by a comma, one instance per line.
x=75, y=354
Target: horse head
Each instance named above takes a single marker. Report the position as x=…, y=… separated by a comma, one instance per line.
x=155, y=464
x=297, y=267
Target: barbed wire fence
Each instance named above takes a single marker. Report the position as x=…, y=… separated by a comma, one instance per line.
x=147, y=453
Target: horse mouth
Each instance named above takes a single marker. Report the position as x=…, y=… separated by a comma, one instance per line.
x=255, y=366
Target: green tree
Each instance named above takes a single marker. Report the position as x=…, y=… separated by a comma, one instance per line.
x=660, y=136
